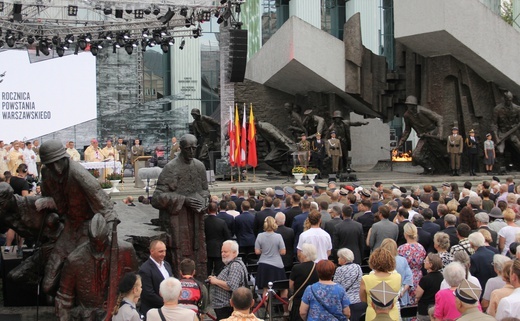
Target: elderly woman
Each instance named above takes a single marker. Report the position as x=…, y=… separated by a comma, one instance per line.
x=325, y=300
x=488, y=239
x=496, y=282
x=382, y=263
x=445, y=305
x=463, y=258
x=170, y=290
x=270, y=246
x=401, y=267
x=511, y=202
x=428, y=286
x=453, y=205
x=501, y=293
x=130, y=288
x=302, y=275
x=441, y=243
x=348, y=275
x=414, y=254
x=507, y=234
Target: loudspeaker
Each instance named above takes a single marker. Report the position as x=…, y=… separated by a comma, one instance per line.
x=17, y=12
x=237, y=55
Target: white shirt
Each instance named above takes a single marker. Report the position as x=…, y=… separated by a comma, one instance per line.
x=411, y=213
x=509, y=306
x=320, y=239
x=509, y=235
x=161, y=268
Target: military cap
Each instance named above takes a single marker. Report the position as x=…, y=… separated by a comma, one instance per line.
x=321, y=186
x=309, y=189
x=383, y=295
x=468, y=292
x=343, y=191
x=262, y=192
x=331, y=179
x=455, y=128
x=278, y=188
x=446, y=184
x=387, y=191
x=333, y=132
x=496, y=213
x=472, y=131
x=318, y=134
x=403, y=190
x=355, y=185
x=127, y=282
x=289, y=190
x=434, y=188
x=300, y=190
x=307, y=112
x=423, y=205
x=496, y=179
x=278, y=193
x=394, y=186
x=411, y=100
x=349, y=188
x=488, y=135
x=365, y=192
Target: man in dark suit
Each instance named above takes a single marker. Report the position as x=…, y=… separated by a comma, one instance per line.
x=153, y=272
x=349, y=234
x=244, y=229
x=442, y=210
x=367, y=218
x=482, y=219
x=263, y=214
x=449, y=222
x=216, y=232
x=482, y=260
x=233, y=194
x=229, y=219
x=288, y=239
x=435, y=203
x=425, y=238
x=239, y=199
x=330, y=226
x=428, y=225
x=297, y=224
x=295, y=209
x=401, y=220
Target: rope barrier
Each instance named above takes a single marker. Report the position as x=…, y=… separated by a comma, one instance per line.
x=280, y=299
x=260, y=304
x=211, y=317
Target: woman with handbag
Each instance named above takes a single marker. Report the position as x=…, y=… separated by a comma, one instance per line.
x=302, y=275
x=348, y=275
x=325, y=300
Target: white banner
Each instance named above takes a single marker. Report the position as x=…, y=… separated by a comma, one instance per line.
x=40, y=98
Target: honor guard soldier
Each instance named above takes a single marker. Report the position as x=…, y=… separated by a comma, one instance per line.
x=304, y=149
x=455, y=146
x=333, y=147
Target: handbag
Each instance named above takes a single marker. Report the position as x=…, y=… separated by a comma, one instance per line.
x=338, y=317
x=291, y=299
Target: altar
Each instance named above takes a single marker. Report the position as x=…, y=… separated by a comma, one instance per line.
x=102, y=167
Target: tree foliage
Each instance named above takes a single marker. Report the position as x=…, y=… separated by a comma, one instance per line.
x=507, y=12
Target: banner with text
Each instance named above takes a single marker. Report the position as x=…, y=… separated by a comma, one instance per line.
x=37, y=99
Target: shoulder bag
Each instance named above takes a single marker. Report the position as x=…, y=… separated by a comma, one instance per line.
x=291, y=299
x=338, y=317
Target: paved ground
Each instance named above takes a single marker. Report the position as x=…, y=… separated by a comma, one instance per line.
x=139, y=217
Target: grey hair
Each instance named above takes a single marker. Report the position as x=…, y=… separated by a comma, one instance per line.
x=314, y=206
x=454, y=273
x=346, y=254
x=280, y=218
x=465, y=192
x=309, y=251
x=170, y=289
x=450, y=219
x=442, y=240
x=393, y=204
x=476, y=239
x=396, y=192
x=233, y=244
x=462, y=257
x=499, y=260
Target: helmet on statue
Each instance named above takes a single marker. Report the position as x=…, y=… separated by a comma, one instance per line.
x=51, y=151
x=337, y=114
x=411, y=100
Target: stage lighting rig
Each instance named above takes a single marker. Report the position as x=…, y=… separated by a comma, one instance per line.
x=72, y=11
x=183, y=42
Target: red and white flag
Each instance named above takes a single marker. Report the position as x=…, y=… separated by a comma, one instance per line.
x=243, y=143
x=231, y=135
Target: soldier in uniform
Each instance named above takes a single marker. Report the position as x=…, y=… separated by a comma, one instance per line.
x=121, y=149
x=137, y=150
x=455, y=146
x=207, y=132
x=304, y=148
x=175, y=148
x=296, y=124
x=472, y=145
x=333, y=148
x=506, y=117
x=342, y=129
x=318, y=152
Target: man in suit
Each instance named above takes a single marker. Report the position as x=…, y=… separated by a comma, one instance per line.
x=455, y=146
x=294, y=210
x=244, y=229
x=367, y=218
x=122, y=151
x=482, y=260
x=263, y=214
x=240, y=198
x=425, y=238
x=228, y=218
x=428, y=225
x=297, y=224
x=175, y=147
x=349, y=234
x=449, y=223
x=382, y=229
x=318, y=152
x=442, y=211
x=335, y=214
x=288, y=240
x=333, y=148
x=401, y=219
x=137, y=150
x=482, y=219
x=153, y=271
x=435, y=202
x=216, y=232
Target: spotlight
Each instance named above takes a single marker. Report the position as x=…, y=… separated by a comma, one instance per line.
x=156, y=11
x=107, y=11
x=197, y=32
x=139, y=14
x=1, y=43
x=129, y=11
x=88, y=37
x=146, y=33
x=188, y=23
x=9, y=39
x=126, y=35
x=43, y=46
x=119, y=13
x=109, y=35
x=30, y=40
x=165, y=46
x=82, y=43
x=157, y=36
x=183, y=42
x=184, y=12
x=205, y=16
x=129, y=48
x=2, y=6
x=164, y=32
x=60, y=51
x=152, y=43
x=55, y=40
x=95, y=47
x=69, y=38
x=167, y=17
x=147, y=11
x=64, y=45
x=143, y=45
x=72, y=11
x=135, y=44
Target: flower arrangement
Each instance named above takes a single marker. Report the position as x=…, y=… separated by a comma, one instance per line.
x=106, y=184
x=312, y=170
x=299, y=170
x=114, y=177
x=94, y=172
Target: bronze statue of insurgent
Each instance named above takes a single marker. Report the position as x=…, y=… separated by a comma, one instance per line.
x=280, y=146
x=78, y=196
x=427, y=124
x=313, y=124
x=182, y=197
x=342, y=129
x=207, y=132
x=86, y=275
x=506, y=122
x=295, y=121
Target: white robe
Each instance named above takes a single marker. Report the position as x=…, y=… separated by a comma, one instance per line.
x=29, y=157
